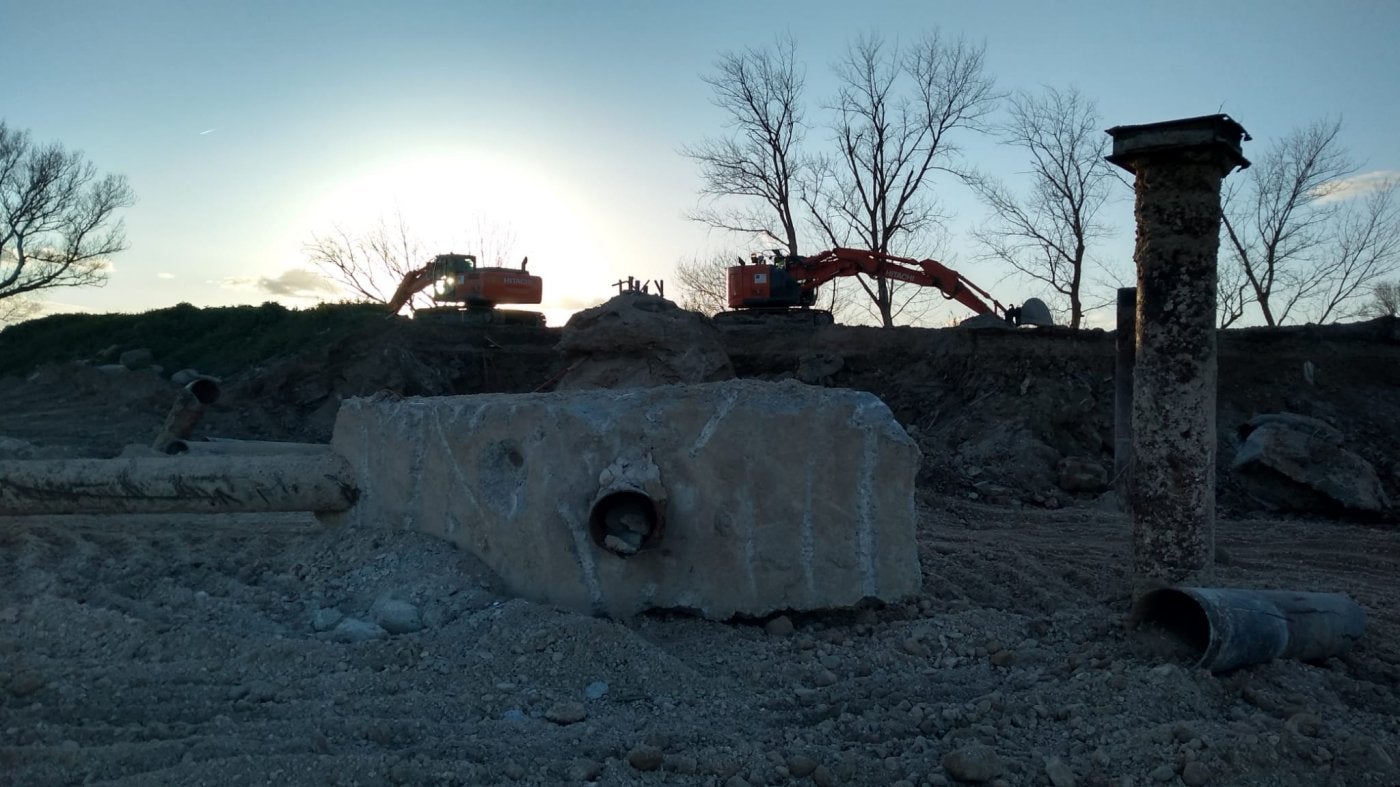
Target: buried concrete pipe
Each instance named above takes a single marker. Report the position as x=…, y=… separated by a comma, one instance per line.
x=1226, y=628
x=186, y=413
x=624, y=521
x=222, y=446
x=167, y=485
x=628, y=514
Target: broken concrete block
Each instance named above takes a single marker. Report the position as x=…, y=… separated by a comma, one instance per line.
x=736, y=497
x=1296, y=463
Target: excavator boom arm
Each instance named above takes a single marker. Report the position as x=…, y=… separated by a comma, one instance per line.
x=414, y=282
x=821, y=268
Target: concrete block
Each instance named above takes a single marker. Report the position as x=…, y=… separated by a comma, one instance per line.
x=737, y=497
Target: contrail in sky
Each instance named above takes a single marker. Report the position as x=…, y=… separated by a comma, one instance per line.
x=206, y=131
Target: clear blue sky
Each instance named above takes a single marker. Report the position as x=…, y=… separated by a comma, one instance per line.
x=245, y=126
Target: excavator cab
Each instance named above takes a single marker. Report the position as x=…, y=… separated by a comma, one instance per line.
x=765, y=283
x=448, y=271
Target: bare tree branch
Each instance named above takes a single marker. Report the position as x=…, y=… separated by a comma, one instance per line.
x=369, y=265
x=704, y=284
x=57, y=217
x=896, y=111
x=1364, y=249
x=1277, y=221
x=760, y=90
x=1385, y=300
x=1046, y=235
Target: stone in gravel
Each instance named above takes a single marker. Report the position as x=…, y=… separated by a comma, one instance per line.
x=596, y=690
x=801, y=765
x=781, y=626
x=1304, y=723
x=913, y=647
x=396, y=616
x=822, y=777
x=681, y=763
x=824, y=678
x=584, y=770
x=1003, y=658
x=645, y=758
x=566, y=713
x=25, y=683
x=1162, y=773
x=514, y=715
x=1195, y=774
x=1059, y=773
x=356, y=630
x=136, y=359
x=975, y=763
x=325, y=619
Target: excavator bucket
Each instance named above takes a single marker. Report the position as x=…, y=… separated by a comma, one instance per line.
x=1035, y=312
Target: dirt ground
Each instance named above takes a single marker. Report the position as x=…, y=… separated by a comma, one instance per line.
x=213, y=650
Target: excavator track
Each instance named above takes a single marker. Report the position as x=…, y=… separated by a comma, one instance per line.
x=774, y=316
x=510, y=318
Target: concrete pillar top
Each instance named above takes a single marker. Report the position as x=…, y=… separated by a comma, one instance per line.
x=1219, y=133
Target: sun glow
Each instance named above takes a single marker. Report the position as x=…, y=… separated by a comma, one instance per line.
x=498, y=209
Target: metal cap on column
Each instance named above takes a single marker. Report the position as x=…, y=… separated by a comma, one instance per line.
x=1219, y=134
x=1179, y=166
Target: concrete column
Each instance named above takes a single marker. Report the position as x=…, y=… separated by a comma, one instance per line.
x=1125, y=343
x=1179, y=166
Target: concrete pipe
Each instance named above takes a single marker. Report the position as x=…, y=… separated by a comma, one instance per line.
x=624, y=520
x=230, y=447
x=1230, y=627
x=185, y=413
x=168, y=485
x=629, y=512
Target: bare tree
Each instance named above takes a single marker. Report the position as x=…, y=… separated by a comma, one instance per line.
x=1046, y=234
x=368, y=265
x=704, y=284
x=58, y=224
x=897, y=111
x=1276, y=220
x=760, y=91
x=1385, y=299
x=18, y=309
x=1364, y=248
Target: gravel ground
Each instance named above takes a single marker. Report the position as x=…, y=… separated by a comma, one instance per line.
x=241, y=650
x=256, y=649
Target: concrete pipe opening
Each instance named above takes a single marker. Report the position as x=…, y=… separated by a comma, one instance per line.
x=204, y=390
x=625, y=521
x=1172, y=625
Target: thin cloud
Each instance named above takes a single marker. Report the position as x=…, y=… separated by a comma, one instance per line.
x=164, y=275
x=294, y=283
x=1357, y=185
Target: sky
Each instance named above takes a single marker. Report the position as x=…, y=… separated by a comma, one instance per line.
x=247, y=127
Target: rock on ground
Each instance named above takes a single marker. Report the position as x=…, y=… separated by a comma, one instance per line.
x=637, y=340
x=1298, y=463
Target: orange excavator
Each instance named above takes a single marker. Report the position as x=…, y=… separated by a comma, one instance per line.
x=471, y=291
x=786, y=286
